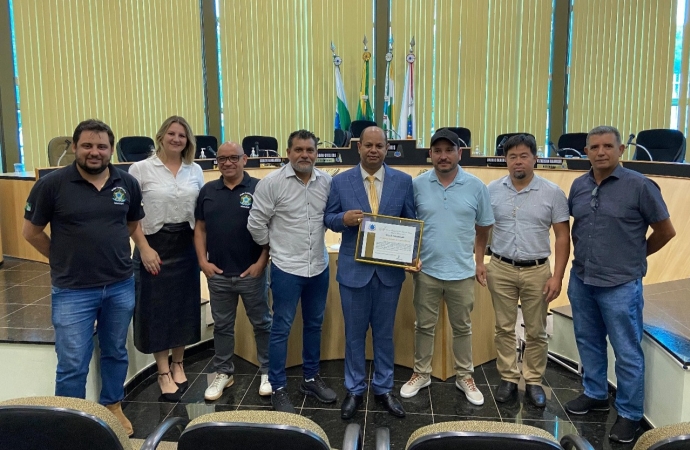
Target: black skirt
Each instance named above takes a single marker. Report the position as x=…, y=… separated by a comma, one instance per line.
x=168, y=305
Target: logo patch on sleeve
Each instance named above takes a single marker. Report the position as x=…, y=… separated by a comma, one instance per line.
x=28, y=206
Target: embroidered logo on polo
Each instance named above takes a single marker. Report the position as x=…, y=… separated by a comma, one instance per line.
x=119, y=195
x=28, y=206
x=246, y=200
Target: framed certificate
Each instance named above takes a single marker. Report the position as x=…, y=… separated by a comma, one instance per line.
x=389, y=241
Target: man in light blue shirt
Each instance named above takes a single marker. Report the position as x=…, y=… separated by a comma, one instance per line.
x=457, y=215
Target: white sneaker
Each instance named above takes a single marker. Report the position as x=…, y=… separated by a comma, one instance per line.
x=265, y=387
x=473, y=394
x=418, y=381
x=220, y=382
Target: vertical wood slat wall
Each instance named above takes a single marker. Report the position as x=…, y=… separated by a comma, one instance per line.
x=130, y=63
x=486, y=62
x=277, y=65
x=621, y=66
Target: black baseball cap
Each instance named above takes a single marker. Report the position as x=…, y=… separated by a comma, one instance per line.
x=445, y=133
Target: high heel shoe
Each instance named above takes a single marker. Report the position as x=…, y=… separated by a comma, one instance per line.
x=185, y=384
x=170, y=396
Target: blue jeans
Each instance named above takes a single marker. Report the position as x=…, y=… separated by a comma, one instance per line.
x=617, y=312
x=287, y=290
x=74, y=313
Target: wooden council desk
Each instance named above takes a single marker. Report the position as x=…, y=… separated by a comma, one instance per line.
x=666, y=265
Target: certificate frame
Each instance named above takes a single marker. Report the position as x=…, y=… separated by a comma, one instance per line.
x=364, y=227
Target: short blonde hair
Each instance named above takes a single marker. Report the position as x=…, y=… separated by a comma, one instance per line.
x=190, y=149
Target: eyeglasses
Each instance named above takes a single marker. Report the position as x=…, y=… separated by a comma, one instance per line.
x=595, y=199
x=231, y=158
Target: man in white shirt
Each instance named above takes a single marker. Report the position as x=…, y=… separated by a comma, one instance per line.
x=287, y=215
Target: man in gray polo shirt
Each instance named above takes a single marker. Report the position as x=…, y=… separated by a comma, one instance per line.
x=613, y=208
x=526, y=207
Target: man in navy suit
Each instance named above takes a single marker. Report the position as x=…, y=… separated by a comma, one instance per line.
x=369, y=292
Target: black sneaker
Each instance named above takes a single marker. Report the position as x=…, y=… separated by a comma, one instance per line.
x=281, y=402
x=317, y=388
x=624, y=430
x=584, y=404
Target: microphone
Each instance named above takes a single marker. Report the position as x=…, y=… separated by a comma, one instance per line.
x=630, y=138
x=210, y=150
x=553, y=148
x=563, y=152
x=499, y=147
x=463, y=142
x=645, y=150
x=256, y=146
x=64, y=152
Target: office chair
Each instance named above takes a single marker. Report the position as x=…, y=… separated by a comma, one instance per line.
x=464, y=134
x=485, y=435
x=60, y=151
x=663, y=144
x=203, y=141
x=669, y=437
x=264, y=430
x=572, y=145
x=62, y=423
x=357, y=126
x=502, y=138
x=134, y=148
x=267, y=143
x=341, y=138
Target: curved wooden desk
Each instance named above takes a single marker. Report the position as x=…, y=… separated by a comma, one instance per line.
x=667, y=265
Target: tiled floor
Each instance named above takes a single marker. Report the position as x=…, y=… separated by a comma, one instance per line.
x=25, y=317
x=442, y=401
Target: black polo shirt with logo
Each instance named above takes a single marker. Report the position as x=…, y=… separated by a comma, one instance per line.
x=229, y=244
x=88, y=228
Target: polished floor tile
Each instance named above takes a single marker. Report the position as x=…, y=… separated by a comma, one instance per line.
x=31, y=316
x=24, y=294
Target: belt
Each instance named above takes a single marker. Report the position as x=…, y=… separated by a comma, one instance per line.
x=528, y=263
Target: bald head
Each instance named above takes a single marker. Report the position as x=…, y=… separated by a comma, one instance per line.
x=375, y=130
x=234, y=147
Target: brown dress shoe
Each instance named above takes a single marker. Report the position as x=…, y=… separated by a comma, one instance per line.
x=116, y=409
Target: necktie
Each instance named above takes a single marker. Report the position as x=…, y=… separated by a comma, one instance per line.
x=373, y=196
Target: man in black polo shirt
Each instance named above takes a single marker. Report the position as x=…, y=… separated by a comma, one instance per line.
x=234, y=265
x=92, y=208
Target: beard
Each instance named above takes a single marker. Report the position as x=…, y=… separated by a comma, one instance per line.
x=92, y=170
x=520, y=174
x=302, y=169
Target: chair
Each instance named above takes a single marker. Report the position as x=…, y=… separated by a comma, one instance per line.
x=203, y=141
x=464, y=134
x=485, y=435
x=572, y=145
x=264, y=143
x=265, y=430
x=62, y=423
x=59, y=151
x=134, y=148
x=669, y=437
x=357, y=126
x=500, y=141
x=663, y=144
x=341, y=138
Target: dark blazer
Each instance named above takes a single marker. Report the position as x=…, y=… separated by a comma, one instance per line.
x=348, y=193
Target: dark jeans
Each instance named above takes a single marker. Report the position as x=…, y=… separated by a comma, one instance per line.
x=287, y=290
x=224, y=292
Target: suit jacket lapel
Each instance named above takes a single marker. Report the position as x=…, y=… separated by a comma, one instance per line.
x=389, y=182
x=358, y=189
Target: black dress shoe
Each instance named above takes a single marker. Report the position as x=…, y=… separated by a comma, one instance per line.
x=349, y=407
x=536, y=395
x=505, y=391
x=391, y=403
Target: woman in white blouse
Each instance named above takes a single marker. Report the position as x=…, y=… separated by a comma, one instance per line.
x=167, y=314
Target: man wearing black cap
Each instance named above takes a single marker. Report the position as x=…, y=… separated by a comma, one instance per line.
x=457, y=215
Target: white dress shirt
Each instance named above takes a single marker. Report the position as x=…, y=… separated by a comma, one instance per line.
x=167, y=198
x=288, y=215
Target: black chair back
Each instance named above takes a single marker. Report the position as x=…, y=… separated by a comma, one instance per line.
x=464, y=134
x=357, y=126
x=43, y=427
x=664, y=145
x=576, y=141
x=341, y=138
x=264, y=142
x=204, y=141
x=249, y=436
x=60, y=151
x=134, y=148
x=500, y=141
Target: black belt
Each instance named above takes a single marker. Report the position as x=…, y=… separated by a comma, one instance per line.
x=529, y=263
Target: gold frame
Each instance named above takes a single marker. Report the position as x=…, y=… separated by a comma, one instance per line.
x=419, y=224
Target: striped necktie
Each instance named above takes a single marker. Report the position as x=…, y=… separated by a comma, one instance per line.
x=373, y=196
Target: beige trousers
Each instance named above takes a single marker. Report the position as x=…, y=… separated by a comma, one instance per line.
x=459, y=297
x=507, y=284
